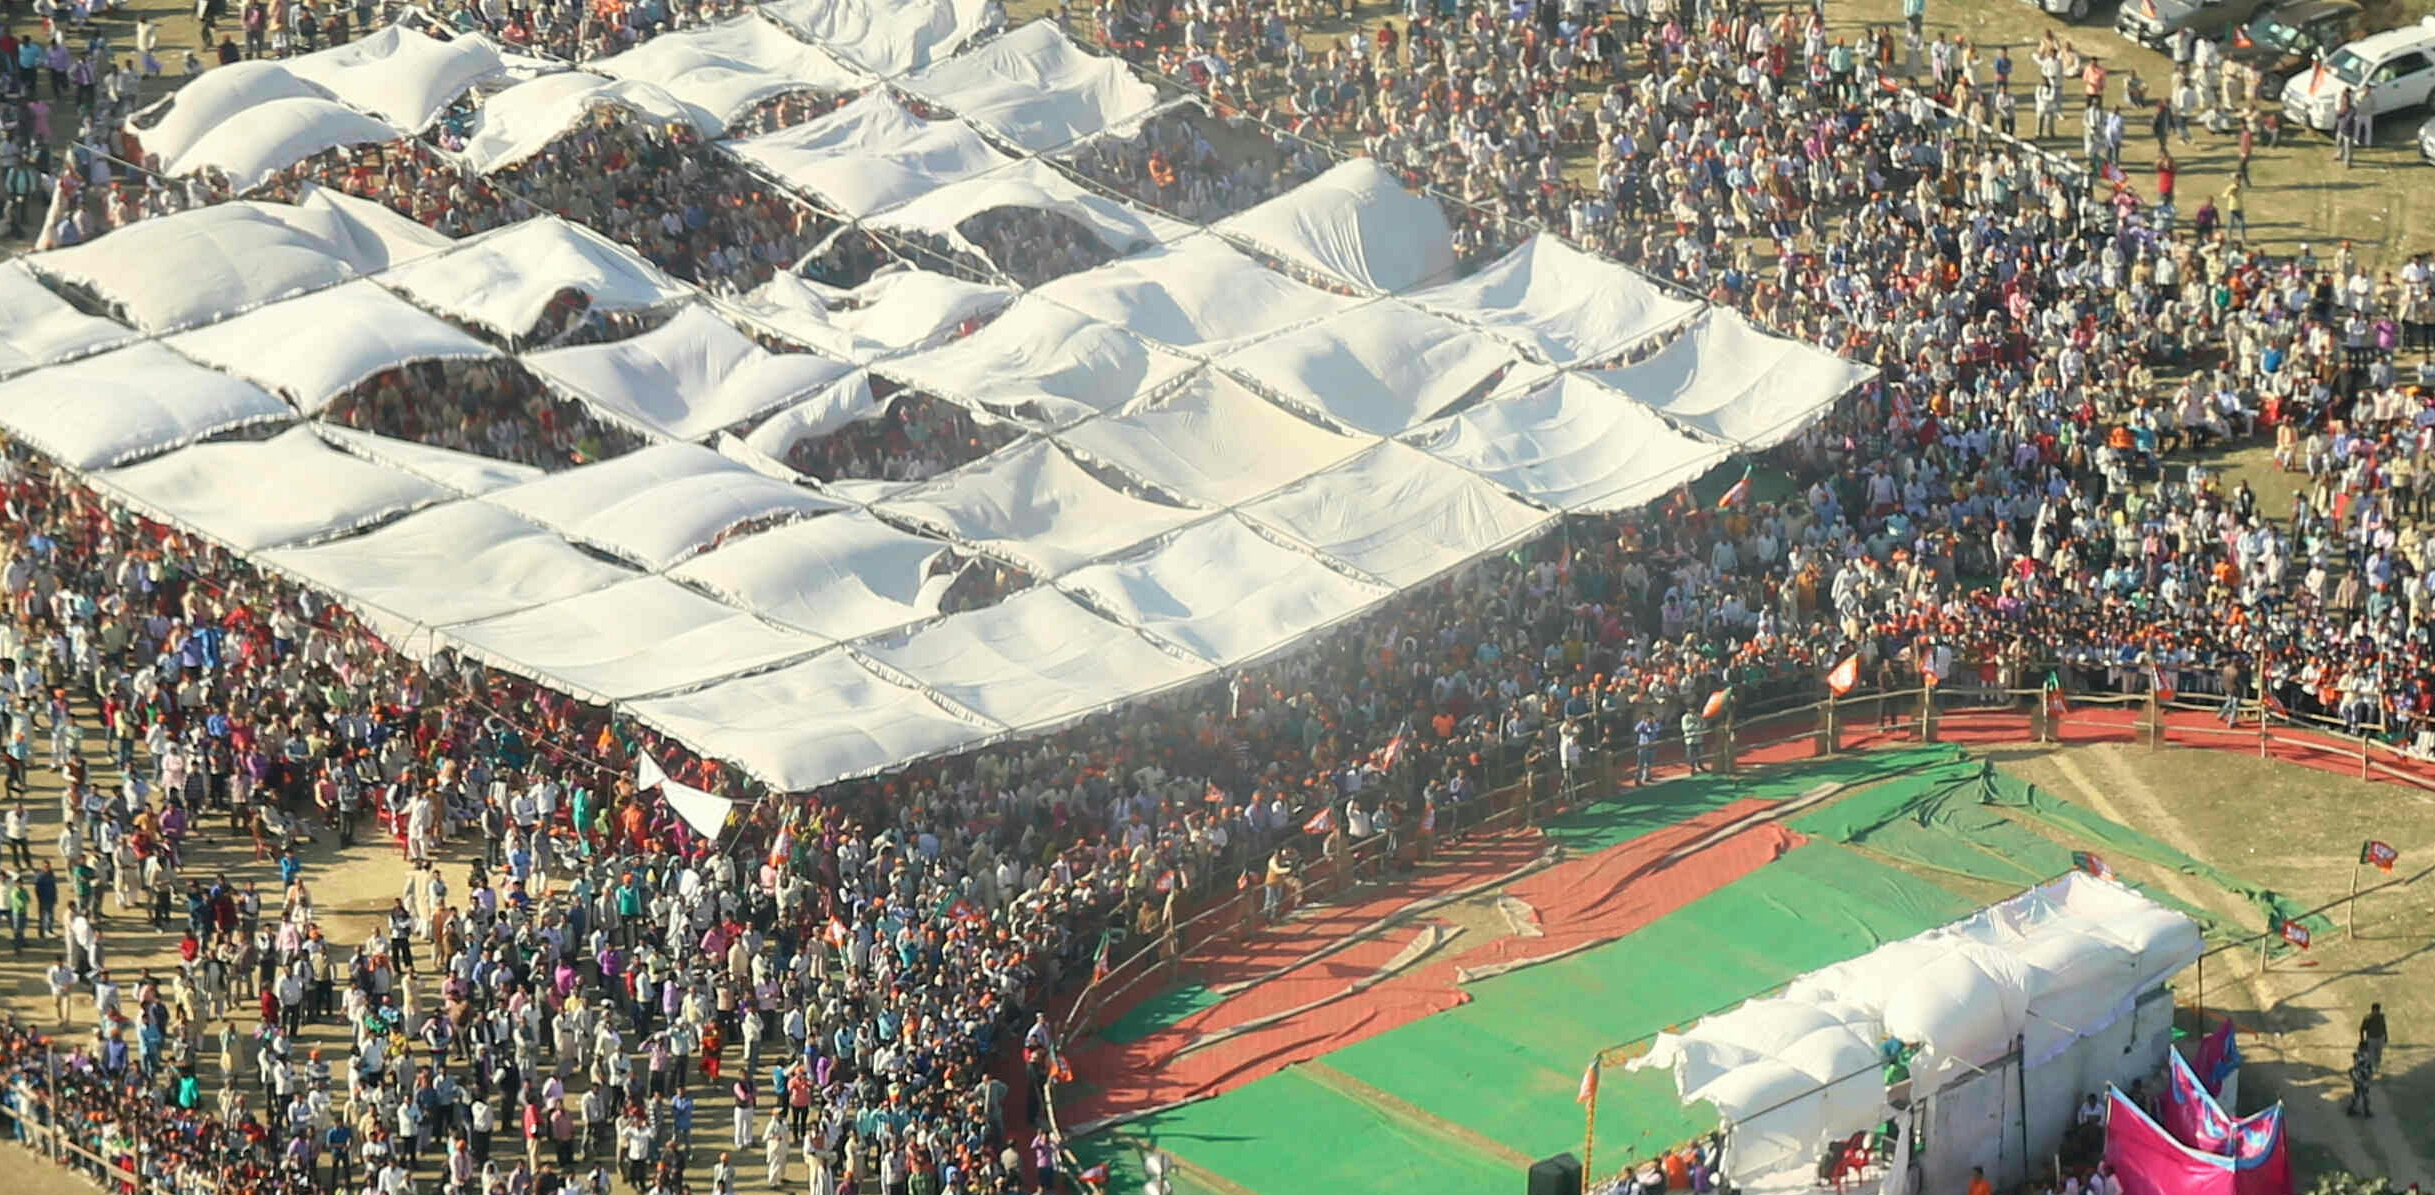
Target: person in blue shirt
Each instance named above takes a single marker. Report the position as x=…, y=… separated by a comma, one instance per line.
x=1645, y=734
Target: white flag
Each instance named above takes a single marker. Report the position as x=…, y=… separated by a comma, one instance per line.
x=647, y=774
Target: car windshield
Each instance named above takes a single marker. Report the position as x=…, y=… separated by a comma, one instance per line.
x=2348, y=66
x=2267, y=31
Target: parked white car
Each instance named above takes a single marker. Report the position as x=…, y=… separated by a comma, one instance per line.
x=2387, y=73
x=2074, y=11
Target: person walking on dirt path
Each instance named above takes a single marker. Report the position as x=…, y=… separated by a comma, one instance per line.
x=2371, y=1036
x=2361, y=1070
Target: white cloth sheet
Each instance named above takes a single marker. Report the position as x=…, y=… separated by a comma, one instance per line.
x=718, y=71
x=826, y=719
x=1222, y=591
x=254, y=494
x=841, y=575
x=870, y=155
x=1030, y=503
x=1037, y=90
x=656, y=506
x=1041, y=364
x=1726, y=379
x=1399, y=515
x=505, y=281
x=1563, y=305
x=647, y=635
x=258, y=142
x=128, y=403
x=1572, y=444
x=885, y=37
x=1035, y=661
x=170, y=126
x=894, y=311
x=1381, y=367
x=521, y=121
x=1034, y=185
x=833, y=406
x=462, y=472
x=327, y=342
x=687, y=378
x=1198, y=294
x=1355, y=224
x=38, y=328
x=405, y=77
x=1212, y=441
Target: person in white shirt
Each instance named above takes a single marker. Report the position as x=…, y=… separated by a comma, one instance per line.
x=62, y=978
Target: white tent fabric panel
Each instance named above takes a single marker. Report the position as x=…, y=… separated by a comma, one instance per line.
x=1356, y=224
x=870, y=155
x=893, y=311
x=1031, y=503
x=1034, y=661
x=706, y=812
x=1381, y=367
x=1224, y=592
x=1727, y=379
x=1572, y=444
x=260, y=141
x=885, y=38
x=214, y=98
x=403, y=76
x=647, y=635
x=106, y=410
x=842, y=575
x=1037, y=89
x=453, y=563
x=463, y=472
x=717, y=71
x=844, y=401
x=687, y=378
x=523, y=120
x=506, y=280
x=38, y=327
x=1564, y=305
x=356, y=331
x=658, y=505
x=1197, y=293
x=209, y=263
x=1398, y=514
x=256, y=494
x=1042, y=364
x=826, y=719
x=1211, y=440
x=1037, y=186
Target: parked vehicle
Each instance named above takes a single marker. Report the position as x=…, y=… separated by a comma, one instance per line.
x=2074, y=11
x=2282, y=41
x=2386, y=73
x=2152, y=22
x=2426, y=142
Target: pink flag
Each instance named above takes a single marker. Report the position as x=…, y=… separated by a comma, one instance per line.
x=2150, y=1162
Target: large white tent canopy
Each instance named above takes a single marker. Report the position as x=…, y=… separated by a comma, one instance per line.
x=523, y=120
x=1034, y=185
x=1035, y=661
x=38, y=328
x=173, y=124
x=1042, y=363
x=1736, y=384
x=128, y=403
x=656, y=506
x=1037, y=90
x=894, y=311
x=1572, y=444
x=1399, y=515
x=648, y=635
x=1032, y=504
x=257, y=142
x=885, y=37
x=1381, y=367
x=1212, y=441
x=363, y=330
x=249, y=495
x=718, y=71
x=505, y=281
x=865, y=724
x=842, y=575
x=1355, y=224
x=1198, y=293
x=464, y=473
x=1562, y=305
x=1224, y=592
x=687, y=378
x=403, y=76
x=870, y=155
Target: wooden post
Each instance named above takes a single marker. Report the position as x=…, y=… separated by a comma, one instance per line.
x=1927, y=713
x=2263, y=942
x=2351, y=921
x=2152, y=716
x=2363, y=739
x=1832, y=740
x=2261, y=712
x=1725, y=747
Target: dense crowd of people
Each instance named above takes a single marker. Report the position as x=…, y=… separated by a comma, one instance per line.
x=576, y=988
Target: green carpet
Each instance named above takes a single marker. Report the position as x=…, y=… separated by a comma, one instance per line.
x=1638, y=811
x=1508, y=1064
x=1160, y=1011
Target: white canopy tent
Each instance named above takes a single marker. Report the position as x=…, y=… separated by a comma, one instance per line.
x=1572, y=444
x=1037, y=90
x=1399, y=514
x=1032, y=504
x=356, y=329
x=217, y=261
x=1197, y=293
x=718, y=71
x=687, y=378
x=894, y=311
x=39, y=328
x=461, y=472
x=1043, y=364
x=521, y=121
x=844, y=401
x=1356, y=224
x=170, y=126
x=885, y=39
x=870, y=155
x=405, y=77
x=506, y=280
x=1033, y=185
x=648, y=635
x=128, y=403
x=1223, y=591
x=1211, y=440
x=656, y=506
x=1380, y=367
x=248, y=495
x=258, y=142
x=1562, y=305
x=841, y=575
x=865, y=723
x=1727, y=380
x=453, y=563
x=1035, y=661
